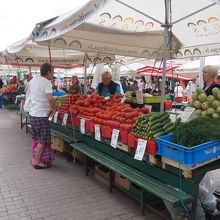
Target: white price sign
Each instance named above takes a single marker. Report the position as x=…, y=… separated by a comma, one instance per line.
x=97, y=133
x=187, y=114
x=82, y=125
x=114, y=139
x=55, y=117
x=139, y=96
x=65, y=116
x=141, y=147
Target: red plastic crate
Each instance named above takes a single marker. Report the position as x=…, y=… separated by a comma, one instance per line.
x=132, y=141
x=123, y=136
x=92, y=127
x=152, y=147
x=106, y=131
x=75, y=121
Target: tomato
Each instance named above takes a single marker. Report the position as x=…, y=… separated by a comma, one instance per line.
x=86, y=103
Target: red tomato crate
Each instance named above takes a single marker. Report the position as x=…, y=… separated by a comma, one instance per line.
x=75, y=121
x=152, y=147
x=123, y=136
x=132, y=141
x=106, y=131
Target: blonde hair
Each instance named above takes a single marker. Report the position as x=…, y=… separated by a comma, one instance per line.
x=107, y=73
x=211, y=70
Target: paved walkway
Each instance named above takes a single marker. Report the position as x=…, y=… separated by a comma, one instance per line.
x=59, y=193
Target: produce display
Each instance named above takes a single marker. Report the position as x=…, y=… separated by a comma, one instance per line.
x=9, y=89
x=59, y=100
x=131, y=95
x=153, y=125
x=207, y=106
x=197, y=131
x=110, y=112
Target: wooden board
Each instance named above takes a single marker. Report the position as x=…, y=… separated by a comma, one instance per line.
x=123, y=147
x=186, y=171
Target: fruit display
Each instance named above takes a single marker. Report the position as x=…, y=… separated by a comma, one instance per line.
x=197, y=131
x=207, y=106
x=9, y=89
x=153, y=125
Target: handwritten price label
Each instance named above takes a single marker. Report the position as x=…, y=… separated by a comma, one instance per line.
x=141, y=147
x=97, y=133
x=82, y=125
x=114, y=139
x=55, y=117
x=65, y=116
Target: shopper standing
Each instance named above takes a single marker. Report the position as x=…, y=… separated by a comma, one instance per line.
x=42, y=102
x=75, y=86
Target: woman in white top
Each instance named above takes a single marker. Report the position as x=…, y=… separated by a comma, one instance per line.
x=178, y=93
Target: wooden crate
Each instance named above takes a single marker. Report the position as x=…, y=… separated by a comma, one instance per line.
x=102, y=174
x=122, y=181
x=123, y=147
x=186, y=171
x=59, y=144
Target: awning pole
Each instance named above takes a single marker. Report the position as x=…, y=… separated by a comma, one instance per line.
x=166, y=51
x=201, y=66
x=85, y=73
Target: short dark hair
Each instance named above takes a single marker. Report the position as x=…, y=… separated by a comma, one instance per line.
x=45, y=68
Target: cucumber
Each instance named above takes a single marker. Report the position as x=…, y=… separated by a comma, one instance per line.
x=156, y=131
x=171, y=128
x=156, y=126
x=168, y=125
x=159, y=134
x=163, y=118
x=151, y=123
x=155, y=116
x=166, y=122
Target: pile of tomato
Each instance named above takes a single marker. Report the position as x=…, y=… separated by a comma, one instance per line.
x=97, y=109
x=9, y=89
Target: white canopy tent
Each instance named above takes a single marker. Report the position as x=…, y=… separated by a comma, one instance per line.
x=27, y=52
x=143, y=28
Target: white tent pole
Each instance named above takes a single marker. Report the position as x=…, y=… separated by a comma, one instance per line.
x=201, y=66
x=166, y=51
x=85, y=72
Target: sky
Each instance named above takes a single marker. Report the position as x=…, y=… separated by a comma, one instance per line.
x=18, y=18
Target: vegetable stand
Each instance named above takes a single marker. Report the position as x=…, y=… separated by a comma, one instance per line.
x=170, y=176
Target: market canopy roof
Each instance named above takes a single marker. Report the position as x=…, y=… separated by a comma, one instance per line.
x=27, y=52
x=131, y=28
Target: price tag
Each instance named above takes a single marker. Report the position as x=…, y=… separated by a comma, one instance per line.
x=50, y=118
x=97, y=133
x=55, y=117
x=123, y=99
x=141, y=147
x=139, y=96
x=82, y=125
x=107, y=97
x=114, y=139
x=65, y=116
x=187, y=114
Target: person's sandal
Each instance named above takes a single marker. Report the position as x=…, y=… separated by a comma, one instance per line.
x=41, y=166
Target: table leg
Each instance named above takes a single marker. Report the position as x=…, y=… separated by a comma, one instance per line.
x=110, y=181
x=21, y=121
x=142, y=201
x=87, y=166
x=26, y=124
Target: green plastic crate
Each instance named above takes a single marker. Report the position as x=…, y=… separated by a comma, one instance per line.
x=153, y=99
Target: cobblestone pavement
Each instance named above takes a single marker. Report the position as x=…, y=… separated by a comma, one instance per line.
x=61, y=192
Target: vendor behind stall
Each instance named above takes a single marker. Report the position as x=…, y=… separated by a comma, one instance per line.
x=209, y=77
x=107, y=87
x=75, y=86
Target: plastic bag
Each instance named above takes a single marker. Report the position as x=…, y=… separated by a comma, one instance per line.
x=206, y=189
x=177, y=212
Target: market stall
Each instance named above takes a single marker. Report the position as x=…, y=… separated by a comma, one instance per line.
x=139, y=141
